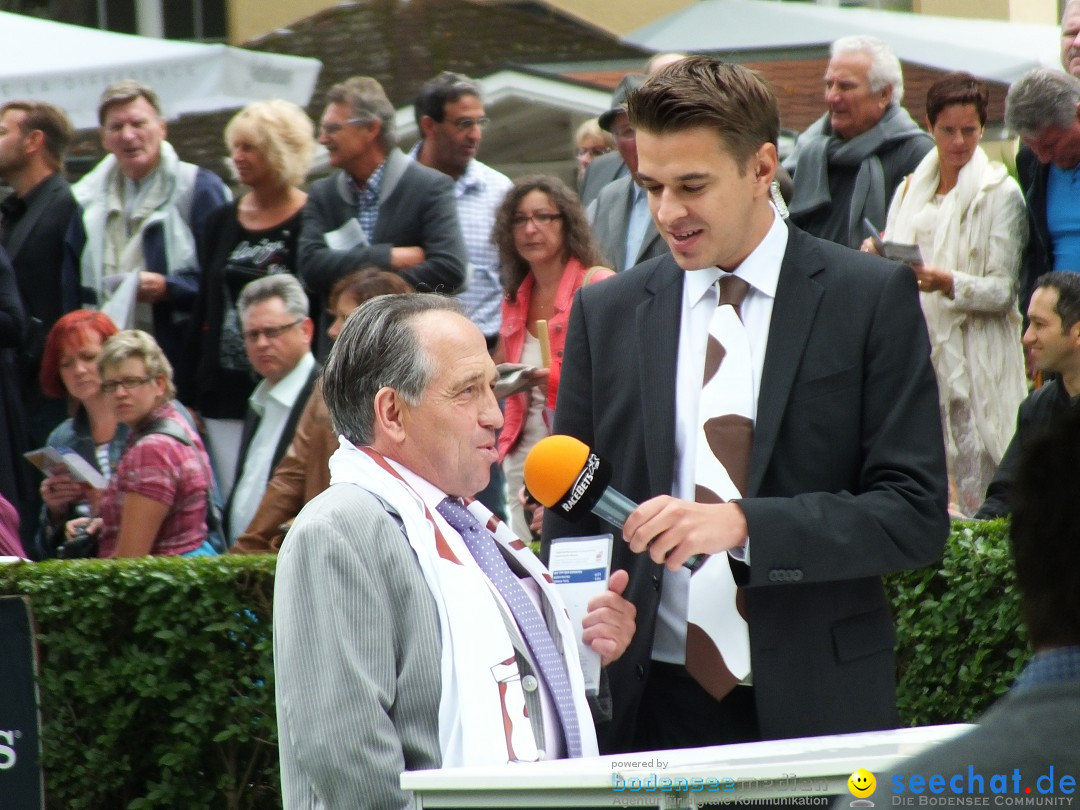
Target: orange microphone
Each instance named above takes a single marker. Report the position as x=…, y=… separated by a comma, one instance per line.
x=564, y=475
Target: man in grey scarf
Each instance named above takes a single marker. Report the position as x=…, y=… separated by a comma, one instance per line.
x=848, y=163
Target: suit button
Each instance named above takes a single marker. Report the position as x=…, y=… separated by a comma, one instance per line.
x=774, y=576
x=639, y=670
x=558, y=327
x=797, y=575
x=656, y=583
x=528, y=683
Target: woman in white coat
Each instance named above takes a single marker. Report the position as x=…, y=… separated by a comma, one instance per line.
x=967, y=216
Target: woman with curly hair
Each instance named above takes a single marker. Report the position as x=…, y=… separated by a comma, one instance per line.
x=547, y=253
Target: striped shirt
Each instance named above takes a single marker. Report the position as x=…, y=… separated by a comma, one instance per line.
x=479, y=192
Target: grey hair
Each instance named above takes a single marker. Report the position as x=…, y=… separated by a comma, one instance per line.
x=285, y=286
x=142, y=346
x=1040, y=98
x=379, y=348
x=884, y=65
x=367, y=102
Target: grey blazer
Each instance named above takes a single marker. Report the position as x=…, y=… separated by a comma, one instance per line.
x=1032, y=730
x=416, y=208
x=609, y=215
x=357, y=657
x=600, y=172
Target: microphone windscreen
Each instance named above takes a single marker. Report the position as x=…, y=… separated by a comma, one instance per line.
x=552, y=466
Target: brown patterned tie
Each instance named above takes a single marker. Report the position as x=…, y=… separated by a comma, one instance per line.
x=720, y=659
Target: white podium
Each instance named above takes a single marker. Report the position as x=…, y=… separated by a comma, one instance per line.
x=682, y=778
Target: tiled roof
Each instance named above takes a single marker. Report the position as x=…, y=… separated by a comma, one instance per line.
x=405, y=44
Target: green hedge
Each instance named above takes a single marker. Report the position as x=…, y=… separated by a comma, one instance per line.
x=156, y=681
x=960, y=643
x=157, y=674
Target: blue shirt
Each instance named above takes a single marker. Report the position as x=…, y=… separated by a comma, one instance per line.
x=479, y=192
x=367, y=201
x=1063, y=216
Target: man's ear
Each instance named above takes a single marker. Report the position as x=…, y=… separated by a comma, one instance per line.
x=391, y=415
x=764, y=164
x=886, y=96
x=34, y=141
x=427, y=125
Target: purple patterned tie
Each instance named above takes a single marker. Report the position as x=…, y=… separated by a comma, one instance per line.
x=552, y=665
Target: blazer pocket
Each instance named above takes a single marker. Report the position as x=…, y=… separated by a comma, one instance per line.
x=826, y=384
x=863, y=635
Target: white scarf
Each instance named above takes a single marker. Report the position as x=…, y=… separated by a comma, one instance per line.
x=112, y=246
x=961, y=240
x=481, y=708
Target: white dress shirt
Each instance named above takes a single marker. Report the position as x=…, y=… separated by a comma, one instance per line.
x=761, y=270
x=432, y=496
x=272, y=402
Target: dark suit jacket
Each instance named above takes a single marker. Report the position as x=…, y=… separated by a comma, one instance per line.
x=601, y=171
x=416, y=208
x=251, y=424
x=847, y=475
x=47, y=275
x=610, y=217
x=1039, y=253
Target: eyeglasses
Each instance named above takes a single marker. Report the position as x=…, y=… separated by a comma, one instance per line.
x=270, y=332
x=128, y=383
x=539, y=220
x=465, y=124
x=334, y=128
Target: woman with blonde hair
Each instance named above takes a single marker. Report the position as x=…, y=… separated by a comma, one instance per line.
x=157, y=499
x=271, y=144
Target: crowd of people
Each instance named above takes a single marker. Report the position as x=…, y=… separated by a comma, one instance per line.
x=795, y=416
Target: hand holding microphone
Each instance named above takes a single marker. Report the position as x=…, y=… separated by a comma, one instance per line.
x=566, y=477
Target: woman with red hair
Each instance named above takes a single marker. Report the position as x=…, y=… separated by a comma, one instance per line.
x=69, y=370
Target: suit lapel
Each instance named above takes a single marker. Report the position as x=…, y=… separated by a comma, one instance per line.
x=797, y=299
x=651, y=236
x=658, y=318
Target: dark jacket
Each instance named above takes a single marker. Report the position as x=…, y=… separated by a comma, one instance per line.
x=1039, y=253
x=1039, y=409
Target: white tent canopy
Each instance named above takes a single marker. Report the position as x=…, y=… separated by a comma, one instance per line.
x=991, y=49
x=69, y=65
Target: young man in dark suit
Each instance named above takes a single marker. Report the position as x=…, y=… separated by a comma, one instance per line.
x=844, y=470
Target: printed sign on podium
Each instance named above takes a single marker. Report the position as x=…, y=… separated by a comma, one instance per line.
x=21, y=782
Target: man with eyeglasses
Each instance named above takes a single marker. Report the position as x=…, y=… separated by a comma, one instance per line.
x=450, y=116
x=143, y=212
x=381, y=208
x=277, y=336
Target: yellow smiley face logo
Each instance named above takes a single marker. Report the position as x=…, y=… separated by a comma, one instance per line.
x=862, y=783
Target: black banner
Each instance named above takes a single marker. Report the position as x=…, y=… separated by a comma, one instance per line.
x=20, y=740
